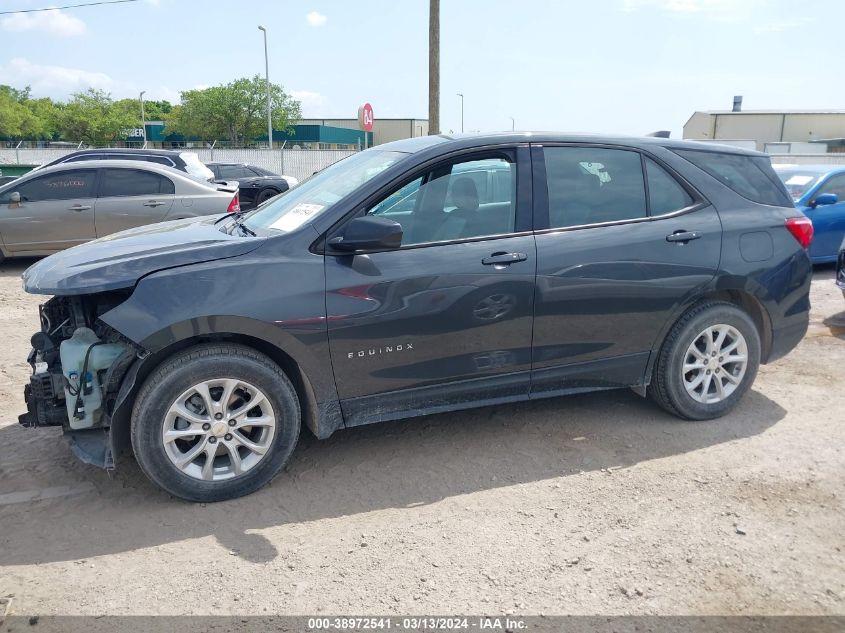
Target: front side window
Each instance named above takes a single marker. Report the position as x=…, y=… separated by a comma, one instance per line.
x=590, y=185
x=133, y=182
x=454, y=202
x=66, y=185
x=834, y=185
x=797, y=181
x=319, y=193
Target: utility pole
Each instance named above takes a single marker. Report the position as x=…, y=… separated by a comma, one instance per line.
x=434, y=67
x=267, y=78
x=143, y=119
x=461, y=95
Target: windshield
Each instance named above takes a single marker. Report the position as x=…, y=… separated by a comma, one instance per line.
x=317, y=194
x=196, y=167
x=797, y=182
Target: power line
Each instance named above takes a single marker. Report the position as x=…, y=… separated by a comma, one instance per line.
x=70, y=6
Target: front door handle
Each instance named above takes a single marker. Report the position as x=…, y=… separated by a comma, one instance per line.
x=153, y=203
x=80, y=207
x=504, y=259
x=683, y=236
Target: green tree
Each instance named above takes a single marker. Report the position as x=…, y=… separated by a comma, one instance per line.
x=236, y=111
x=153, y=110
x=93, y=117
x=22, y=117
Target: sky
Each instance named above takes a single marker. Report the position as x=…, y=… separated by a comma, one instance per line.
x=605, y=66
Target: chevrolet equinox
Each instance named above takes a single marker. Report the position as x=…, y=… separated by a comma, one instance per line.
x=426, y=275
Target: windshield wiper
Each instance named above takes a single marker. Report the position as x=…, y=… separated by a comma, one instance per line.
x=245, y=229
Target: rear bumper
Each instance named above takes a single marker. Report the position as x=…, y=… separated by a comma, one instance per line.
x=786, y=338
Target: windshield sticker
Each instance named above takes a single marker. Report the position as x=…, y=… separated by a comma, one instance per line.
x=296, y=217
x=799, y=180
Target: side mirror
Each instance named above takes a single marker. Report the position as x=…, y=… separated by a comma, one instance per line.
x=824, y=199
x=369, y=233
x=14, y=200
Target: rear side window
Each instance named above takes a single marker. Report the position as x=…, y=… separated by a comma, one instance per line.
x=133, y=182
x=752, y=177
x=665, y=194
x=589, y=185
x=161, y=160
x=235, y=171
x=83, y=157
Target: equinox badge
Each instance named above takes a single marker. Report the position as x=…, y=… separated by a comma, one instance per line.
x=387, y=349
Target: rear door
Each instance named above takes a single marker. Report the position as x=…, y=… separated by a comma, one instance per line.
x=623, y=242
x=128, y=198
x=56, y=211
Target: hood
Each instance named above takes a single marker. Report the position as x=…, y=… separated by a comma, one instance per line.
x=119, y=260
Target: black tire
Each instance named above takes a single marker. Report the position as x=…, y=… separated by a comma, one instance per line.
x=667, y=385
x=190, y=367
x=265, y=195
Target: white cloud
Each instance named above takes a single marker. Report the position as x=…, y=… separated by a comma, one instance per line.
x=58, y=82
x=784, y=25
x=53, y=21
x=316, y=19
x=313, y=103
x=720, y=10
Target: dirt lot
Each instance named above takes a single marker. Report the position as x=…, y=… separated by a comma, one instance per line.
x=590, y=504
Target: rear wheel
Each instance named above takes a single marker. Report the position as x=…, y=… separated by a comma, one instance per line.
x=707, y=362
x=215, y=422
x=265, y=195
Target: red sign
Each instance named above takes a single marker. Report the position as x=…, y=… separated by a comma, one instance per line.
x=365, y=117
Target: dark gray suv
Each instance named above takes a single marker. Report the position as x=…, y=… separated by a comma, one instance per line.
x=421, y=276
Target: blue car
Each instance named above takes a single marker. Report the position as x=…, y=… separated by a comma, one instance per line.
x=819, y=192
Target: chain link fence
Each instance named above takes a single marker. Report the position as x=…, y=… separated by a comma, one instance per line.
x=299, y=163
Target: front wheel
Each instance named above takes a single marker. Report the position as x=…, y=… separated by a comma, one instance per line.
x=707, y=362
x=215, y=422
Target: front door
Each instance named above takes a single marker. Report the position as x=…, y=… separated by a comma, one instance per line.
x=131, y=197
x=614, y=264
x=55, y=211
x=445, y=320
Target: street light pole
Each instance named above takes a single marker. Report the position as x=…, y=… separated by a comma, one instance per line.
x=513, y=123
x=143, y=119
x=267, y=77
x=460, y=94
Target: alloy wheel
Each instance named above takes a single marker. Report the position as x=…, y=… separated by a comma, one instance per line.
x=219, y=429
x=715, y=363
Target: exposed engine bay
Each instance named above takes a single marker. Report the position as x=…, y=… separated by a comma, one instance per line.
x=78, y=363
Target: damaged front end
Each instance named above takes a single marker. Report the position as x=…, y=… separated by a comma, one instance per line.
x=78, y=367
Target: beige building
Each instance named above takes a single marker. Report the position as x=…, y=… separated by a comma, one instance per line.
x=789, y=131
x=384, y=130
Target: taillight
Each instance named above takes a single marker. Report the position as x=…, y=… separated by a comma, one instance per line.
x=801, y=229
x=234, y=205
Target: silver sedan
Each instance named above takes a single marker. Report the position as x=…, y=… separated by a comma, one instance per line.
x=61, y=206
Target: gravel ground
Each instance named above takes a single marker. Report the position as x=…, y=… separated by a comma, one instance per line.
x=593, y=504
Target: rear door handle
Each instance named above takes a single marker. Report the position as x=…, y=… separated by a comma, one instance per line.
x=504, y=259
x=683, y=236
x=153, y=203
x=80, y=207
